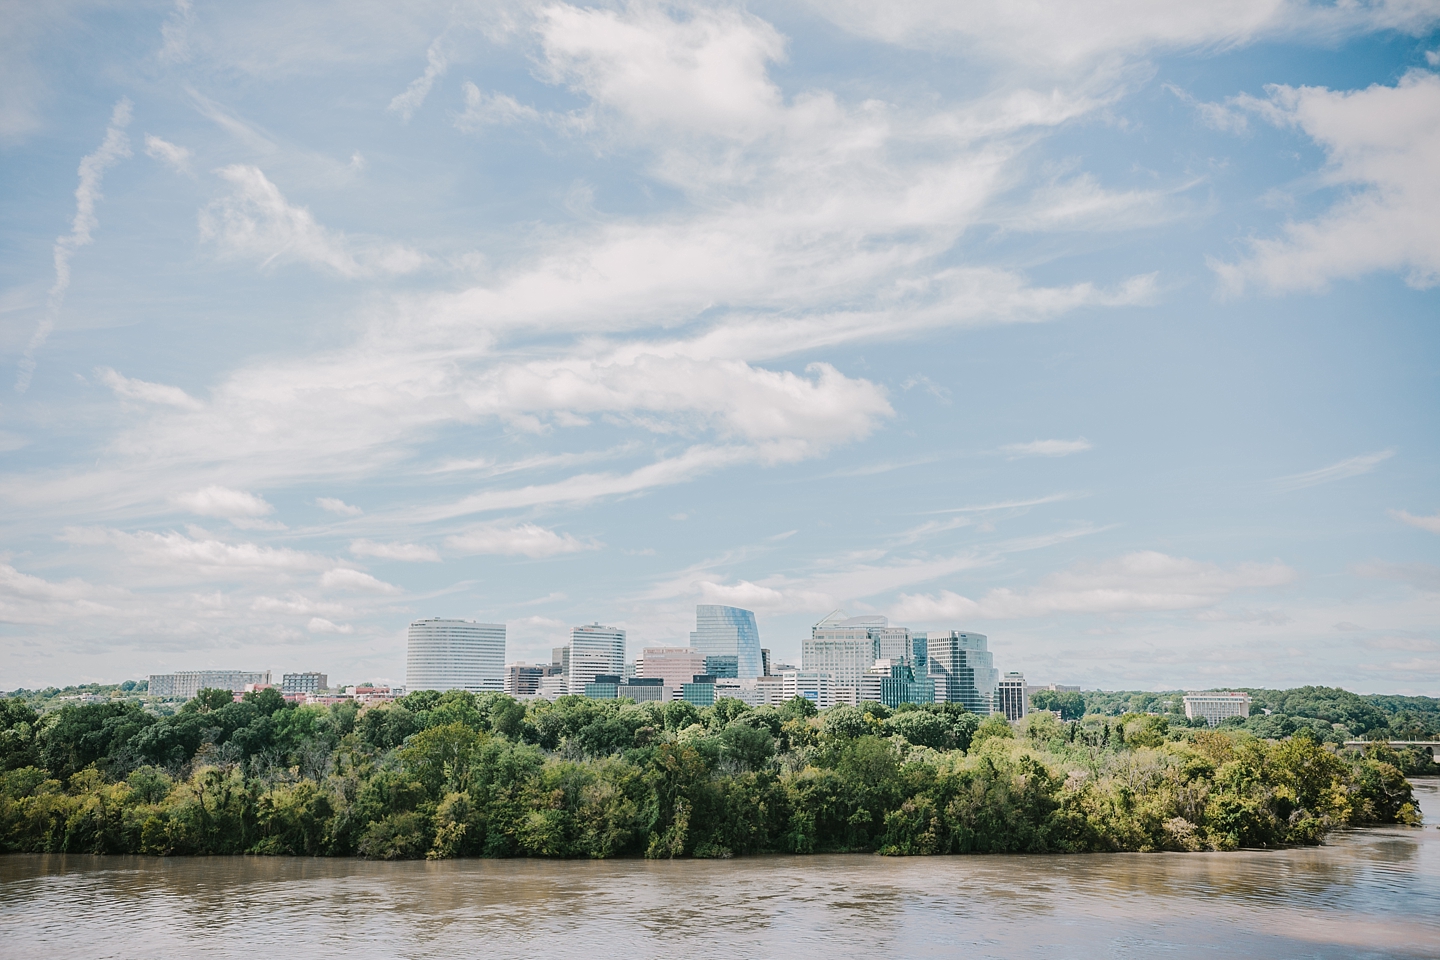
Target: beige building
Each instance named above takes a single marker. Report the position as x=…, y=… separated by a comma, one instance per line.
x=674, y=665
x=1216, y=706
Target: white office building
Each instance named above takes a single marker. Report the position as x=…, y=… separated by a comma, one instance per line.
x=184, y=684
x=813, y=685
x=843, y=647
x=456, y=655
x=1013, y=697
x=1217, y=706
x=963, y=670
x=595, y=650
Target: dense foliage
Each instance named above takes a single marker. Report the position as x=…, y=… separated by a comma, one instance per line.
x=443, y=775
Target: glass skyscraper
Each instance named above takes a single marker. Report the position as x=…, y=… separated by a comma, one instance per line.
x=455, y=655
x=728, y=639
x=963, y=670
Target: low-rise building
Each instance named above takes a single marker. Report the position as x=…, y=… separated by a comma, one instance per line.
x=523, y=679
x=311, y=681
x=184, y=684
x=814, y=685
x=671, y=665
x=700, y=691
x=1215, y=706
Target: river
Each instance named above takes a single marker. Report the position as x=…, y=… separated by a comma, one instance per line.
x=1366, y=893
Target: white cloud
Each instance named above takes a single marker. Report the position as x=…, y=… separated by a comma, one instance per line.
x=256, y=222
x=114, y=148
x=145, y=391
x=1353, y=467
x=1064, y=36
x=178, y=158
x=1424, y=523
x=217, y=501
x=201, y=555
x=1380, y=145
x=1136, y=582
x=321, y=625
x=408, y=102
x=1047, y=448
x=705, y=71
x=409, y=552
x=175, y=32
x=525, y=539
x=344, y=578
x=484, y=109
x=335, y=505
x=27, y=599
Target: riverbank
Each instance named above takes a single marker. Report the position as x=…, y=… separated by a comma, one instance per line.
x=1371, y=892
x=455, y=775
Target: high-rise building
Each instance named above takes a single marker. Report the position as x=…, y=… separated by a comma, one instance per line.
x=764, y=661
x=672, y=665
x=1217, y=706
x=594, y=650
x=893, y=682
x=844, y=647
x=523, y=680
x=728, y=639
x=1014, y=700
x=963, y=670
x=184, y=684
x=309, y=682
x=456, y=655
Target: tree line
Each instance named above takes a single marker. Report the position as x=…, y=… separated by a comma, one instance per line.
x=457, y=774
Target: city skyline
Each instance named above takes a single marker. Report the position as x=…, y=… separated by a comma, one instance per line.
x=1111, y=338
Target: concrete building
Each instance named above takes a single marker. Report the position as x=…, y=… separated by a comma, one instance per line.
x=594, y=650
x=1014, y=697
x=523, y=679
x=844, y=647
x=672, y=665
x=308, y=682
x=184, y=684
x=963, y=670
x=1214, y=707
x=814, y=685
x=455, y=655
x=729, y=640
x=551, y=687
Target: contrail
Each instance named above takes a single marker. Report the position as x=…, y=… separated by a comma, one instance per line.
x=114, y=147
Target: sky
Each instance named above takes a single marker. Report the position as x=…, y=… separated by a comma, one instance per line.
x=1106, y=330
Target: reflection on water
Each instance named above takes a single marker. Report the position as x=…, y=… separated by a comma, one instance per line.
x=1370, y=893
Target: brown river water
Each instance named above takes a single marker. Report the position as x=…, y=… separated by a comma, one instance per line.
x=1366, y=893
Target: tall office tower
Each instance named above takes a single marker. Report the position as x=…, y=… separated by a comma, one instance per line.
x=456, y=655
x=844, y=647
x=672, y=665
x=1014, y=696
x=728, y=639
x=963, y=670
x=594, y=651
x=764, y=661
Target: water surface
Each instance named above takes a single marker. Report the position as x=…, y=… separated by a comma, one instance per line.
x=1367, y=893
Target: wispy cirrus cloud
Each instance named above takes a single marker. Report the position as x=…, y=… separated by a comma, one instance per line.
x=1137, y=582
x=524, y=540
x=1431, y=523
x=407, y=552
x=1046, y=448
x=114, y=148
x=1351, y=467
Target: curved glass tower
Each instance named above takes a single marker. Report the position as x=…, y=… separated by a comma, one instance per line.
x=728, y=639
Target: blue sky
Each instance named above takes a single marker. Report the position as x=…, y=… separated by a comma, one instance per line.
x=1108, y=332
